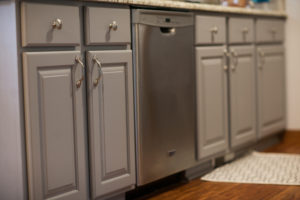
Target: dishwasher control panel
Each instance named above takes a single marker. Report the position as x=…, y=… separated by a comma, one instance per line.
x=162, y=18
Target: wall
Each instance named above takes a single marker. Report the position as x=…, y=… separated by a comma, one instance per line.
x=12, y=173
x=293, y=64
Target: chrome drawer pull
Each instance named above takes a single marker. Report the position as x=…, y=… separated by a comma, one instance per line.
x=273, y=31
x=113, y=26
x=245, y=30
x=99, y=70
x=214, y=30
x=78, y=83
x=57, y=23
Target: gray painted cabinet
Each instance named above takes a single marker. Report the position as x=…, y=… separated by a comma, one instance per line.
x=240, y=30
x=269, y=30
x=58, y=25
x=271, y=89
x=210, y=29
x=212, y=106
x=107, y=25
x=55, y=126
x=111, y=122
x=242, y=95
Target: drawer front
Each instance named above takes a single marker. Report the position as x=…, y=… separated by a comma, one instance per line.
x=49, y=25
x=107, y=25
x=210, y=30
x=268, y=30
x=241, y=30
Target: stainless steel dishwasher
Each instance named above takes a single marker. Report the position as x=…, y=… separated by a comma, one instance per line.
x=165, y=92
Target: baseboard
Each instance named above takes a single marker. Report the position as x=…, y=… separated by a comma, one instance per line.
x=292, y=132
x=270, y=141
x=199, y=170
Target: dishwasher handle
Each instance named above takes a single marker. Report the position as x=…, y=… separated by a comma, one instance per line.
x=162, y=19
x=168, y=30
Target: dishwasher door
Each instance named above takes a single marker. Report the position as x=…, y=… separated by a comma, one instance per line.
x=165, y=93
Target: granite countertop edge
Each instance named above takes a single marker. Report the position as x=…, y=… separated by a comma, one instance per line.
x=195, y=7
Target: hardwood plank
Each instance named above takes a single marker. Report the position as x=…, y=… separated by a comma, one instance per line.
x=197, y=189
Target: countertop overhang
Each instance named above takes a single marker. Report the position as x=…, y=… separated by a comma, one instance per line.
x=196, y=7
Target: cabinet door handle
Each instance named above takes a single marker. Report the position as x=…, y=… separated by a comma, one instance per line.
x=79, y=82
x=225, y=55
x=95, y=59
x=262, y=58
x=235, y=60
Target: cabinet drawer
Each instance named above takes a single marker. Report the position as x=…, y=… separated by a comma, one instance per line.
x=49, y=25
x=241, y=30
x=268, y=30
x=210, y=30
x=106, y=25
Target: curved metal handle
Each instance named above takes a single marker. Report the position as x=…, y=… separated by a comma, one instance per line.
x=113, y=26
x=235, y=60
x=224, y=60
x=57, y=23
x=99, y=70
x=214, y=30
x=262, y=58
x=78, y=83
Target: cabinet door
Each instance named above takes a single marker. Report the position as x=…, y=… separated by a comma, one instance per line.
x=271, y=89
x=111, y=121
x=242, y=95
x=55, y=126
x=212, y=112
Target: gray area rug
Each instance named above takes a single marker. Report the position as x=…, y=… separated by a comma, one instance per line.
x=260, y=168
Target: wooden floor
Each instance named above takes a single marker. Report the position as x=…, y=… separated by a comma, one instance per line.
x=197, y=189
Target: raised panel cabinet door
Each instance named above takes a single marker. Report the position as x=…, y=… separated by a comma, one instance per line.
x=55, y=125
x=212, y=111
x=242, y=95
x=111, y=125
x=271, y=89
